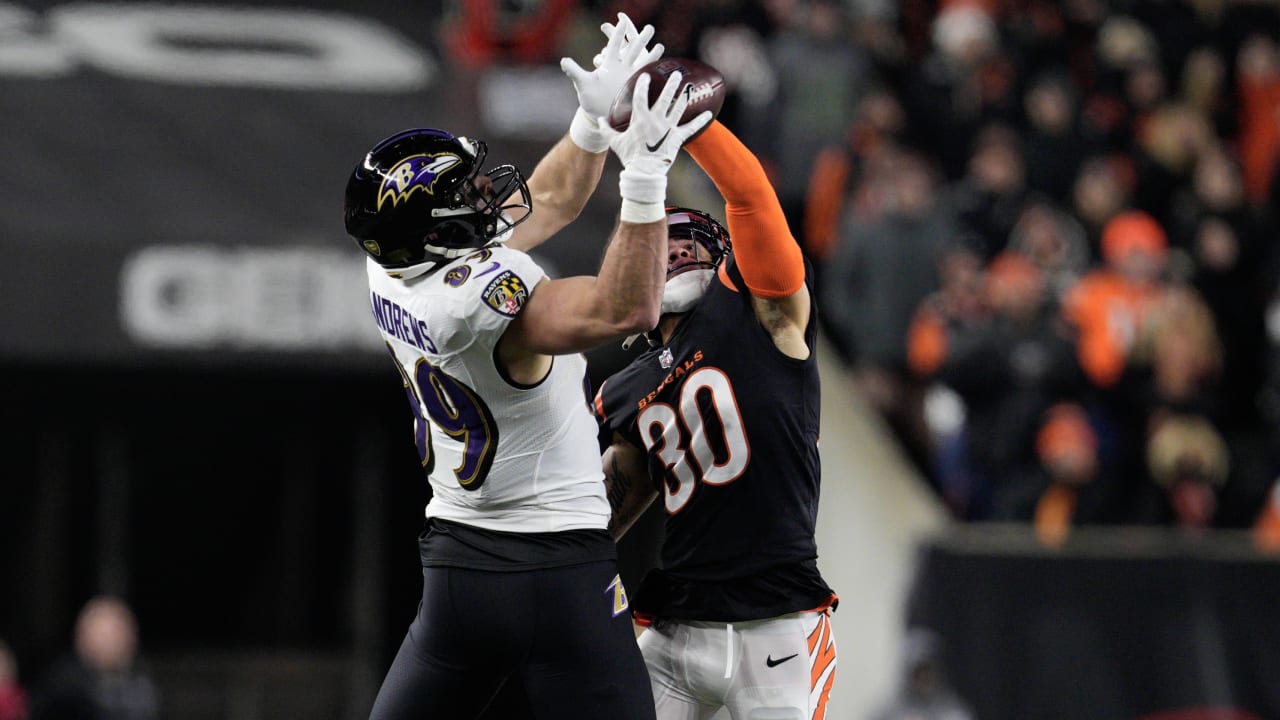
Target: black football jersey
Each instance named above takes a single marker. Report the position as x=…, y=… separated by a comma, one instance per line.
x=730, y=426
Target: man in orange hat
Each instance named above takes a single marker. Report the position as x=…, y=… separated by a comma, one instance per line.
x=1107, y=305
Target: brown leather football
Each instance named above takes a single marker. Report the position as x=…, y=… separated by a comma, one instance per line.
x=703, y=84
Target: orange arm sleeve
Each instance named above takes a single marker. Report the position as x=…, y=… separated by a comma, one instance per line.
x=767, y=254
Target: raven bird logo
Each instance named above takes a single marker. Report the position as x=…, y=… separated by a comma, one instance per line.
x=416, y=172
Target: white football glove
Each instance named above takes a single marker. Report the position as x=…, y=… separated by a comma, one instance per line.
x=623, y=54
x=649, y=145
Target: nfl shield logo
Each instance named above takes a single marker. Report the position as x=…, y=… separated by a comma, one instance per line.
x=666, y=358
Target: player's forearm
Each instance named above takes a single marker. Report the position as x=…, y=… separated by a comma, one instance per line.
x=632, y=274
x=560, y=186
x=579, y=313
x=628, y=488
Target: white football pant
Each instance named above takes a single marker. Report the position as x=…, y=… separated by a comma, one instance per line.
x=776, y=669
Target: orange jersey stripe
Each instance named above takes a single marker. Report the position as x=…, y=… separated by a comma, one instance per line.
x=723, y=275
x=598, y=402
x=825, y=606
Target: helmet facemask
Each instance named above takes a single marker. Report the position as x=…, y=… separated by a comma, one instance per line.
x=419, y=199
x=685, y=287
x=481, y=210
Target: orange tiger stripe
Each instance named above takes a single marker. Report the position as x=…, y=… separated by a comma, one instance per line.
x=822, y=641
x=820, y=712
x=826, y=652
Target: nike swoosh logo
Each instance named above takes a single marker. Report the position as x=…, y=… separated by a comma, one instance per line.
x=654, y=147
x=768, y=660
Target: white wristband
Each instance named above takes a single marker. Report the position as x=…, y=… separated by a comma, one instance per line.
x=642, y=187
x=634, y=211
x=586, y=133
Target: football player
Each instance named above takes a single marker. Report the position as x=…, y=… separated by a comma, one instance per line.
x=521, y=582
x=719, y=417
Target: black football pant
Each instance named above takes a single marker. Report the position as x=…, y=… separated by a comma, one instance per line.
x=552, y=632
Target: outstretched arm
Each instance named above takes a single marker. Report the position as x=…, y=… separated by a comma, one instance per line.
x=763, y=246
x=627, y=485
x=576, y=314
x=566, y=177
x=559, y=188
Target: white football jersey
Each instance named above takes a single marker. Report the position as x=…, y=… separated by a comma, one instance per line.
x=502, y=456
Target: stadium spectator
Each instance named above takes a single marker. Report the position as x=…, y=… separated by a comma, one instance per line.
x=965, y=82
x=13, y=697
x=989, y=198
x=1067, y=451
x=1170, y=140
x=1258, y=69
x=1007, y=363
x=1054, y=241
x=878, y=129
x=1102, y=190
x=1053, y=138
x=1205, y=90
x=1178, y=348
x=883, y=267
x=1188, y=460
x=1128, y=80
x=105, y=677
x=1230, y=256
x=949, y=317
x=824, y=75
x=1108, y=304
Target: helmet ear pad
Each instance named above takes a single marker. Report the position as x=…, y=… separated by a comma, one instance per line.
x=418, y=196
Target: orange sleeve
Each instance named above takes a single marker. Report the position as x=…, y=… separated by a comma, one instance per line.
x=766, y=252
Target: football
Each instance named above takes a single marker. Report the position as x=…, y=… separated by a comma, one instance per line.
x=703, y=84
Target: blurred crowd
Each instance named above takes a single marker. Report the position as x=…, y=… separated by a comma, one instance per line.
x=1045, y=235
